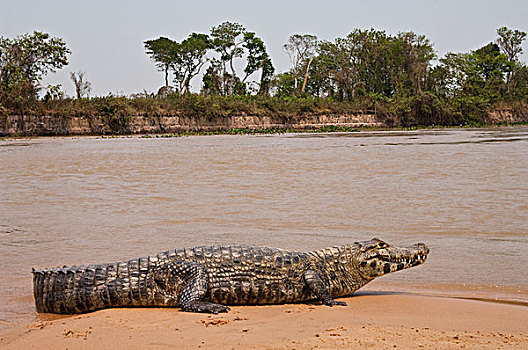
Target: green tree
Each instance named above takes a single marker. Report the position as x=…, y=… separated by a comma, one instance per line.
x=257, y=58
x=24, y=60
x=301, y=48
x=416, y=54
x=189, y=58
x=449, y=76
x=228, y=39
x=476, y=73
x=489, y=62
x=266, y=75
x=518, y=88
x=336, y=65
x=510, y=42
x=372, y=63
x=320, y=83
x=356, y=65
x=372, y=57
x=283, y=84
x=232, y=41
x=212, y=80
x=163, y=52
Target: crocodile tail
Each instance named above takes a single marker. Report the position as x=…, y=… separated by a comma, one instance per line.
x=70, y=290
x=81, y=289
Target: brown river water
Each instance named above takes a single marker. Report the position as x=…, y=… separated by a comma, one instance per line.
x=464, y=193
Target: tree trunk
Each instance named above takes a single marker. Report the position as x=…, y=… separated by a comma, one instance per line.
x=233, y=79
x=306, y=75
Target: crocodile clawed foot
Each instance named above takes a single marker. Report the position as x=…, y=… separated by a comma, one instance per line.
x=332, y=302
x=217, y=308
x=201, y=306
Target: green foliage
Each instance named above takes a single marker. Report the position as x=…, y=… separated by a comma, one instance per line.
x=232, y=41
x=469, y=110
x=510, y=42
x=477, y=73
x=518, y=84
x=301, y=49
x=413, y=110
x=283, y=84
x=189, y=59
x=24, y=60
x=116, y=113
x=367, y=62
x=163, y=52
x=184, y=59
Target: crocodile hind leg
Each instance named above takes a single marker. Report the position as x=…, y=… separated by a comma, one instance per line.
x=317, y=286
x=193, y=277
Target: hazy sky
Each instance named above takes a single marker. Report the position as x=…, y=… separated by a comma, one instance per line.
x=106, y=37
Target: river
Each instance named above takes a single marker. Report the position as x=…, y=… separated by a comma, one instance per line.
x=463, y=192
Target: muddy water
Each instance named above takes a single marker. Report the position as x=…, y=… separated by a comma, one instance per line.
x=89, y=200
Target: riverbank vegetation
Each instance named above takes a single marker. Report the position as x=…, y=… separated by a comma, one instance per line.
x=399, y=78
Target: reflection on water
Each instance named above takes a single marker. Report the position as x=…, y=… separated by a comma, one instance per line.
x=91, y=200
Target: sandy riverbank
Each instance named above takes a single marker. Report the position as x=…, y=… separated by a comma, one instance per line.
x=377, y=321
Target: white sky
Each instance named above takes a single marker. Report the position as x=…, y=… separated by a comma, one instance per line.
x=106, y=37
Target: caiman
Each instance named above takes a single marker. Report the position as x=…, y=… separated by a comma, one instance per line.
x=208, y=278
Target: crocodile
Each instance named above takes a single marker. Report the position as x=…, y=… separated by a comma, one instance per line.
x=209, y=278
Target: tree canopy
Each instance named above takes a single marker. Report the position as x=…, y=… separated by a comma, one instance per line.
x=301, y=48
x=25, y=59
x=163, y=52
x=227, y=43
x=232, y=41
x=364, y=64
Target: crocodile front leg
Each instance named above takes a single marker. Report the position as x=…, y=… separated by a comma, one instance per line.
x=194, y=278
x=317, y=286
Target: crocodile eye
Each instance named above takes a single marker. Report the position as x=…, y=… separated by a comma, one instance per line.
x=382, y=244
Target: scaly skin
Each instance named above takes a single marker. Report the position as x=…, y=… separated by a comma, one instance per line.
x=206, y=279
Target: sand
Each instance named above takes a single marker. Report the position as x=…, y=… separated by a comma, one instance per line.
x=381, y=321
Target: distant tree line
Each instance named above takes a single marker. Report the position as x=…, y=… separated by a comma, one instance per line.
x=364, y=63
x=399, y=76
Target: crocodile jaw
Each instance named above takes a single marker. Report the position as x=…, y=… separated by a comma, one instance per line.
x=377, y=258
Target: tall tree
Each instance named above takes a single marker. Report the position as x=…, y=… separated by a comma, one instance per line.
x=232, y=41
x=510, y=42
x=417, y=53
x=301, y=48
x=162, y=51
x=82, y=86
x=228, y=39
x=189, y=58
x=31, y=56
x=25, y=59
x=476, y=73
x=257, y=58
x=212, y=79
x=266, y=75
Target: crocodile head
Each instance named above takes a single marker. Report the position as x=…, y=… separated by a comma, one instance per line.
x=377, y=258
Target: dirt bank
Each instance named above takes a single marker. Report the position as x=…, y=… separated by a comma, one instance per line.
x=31, y=125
